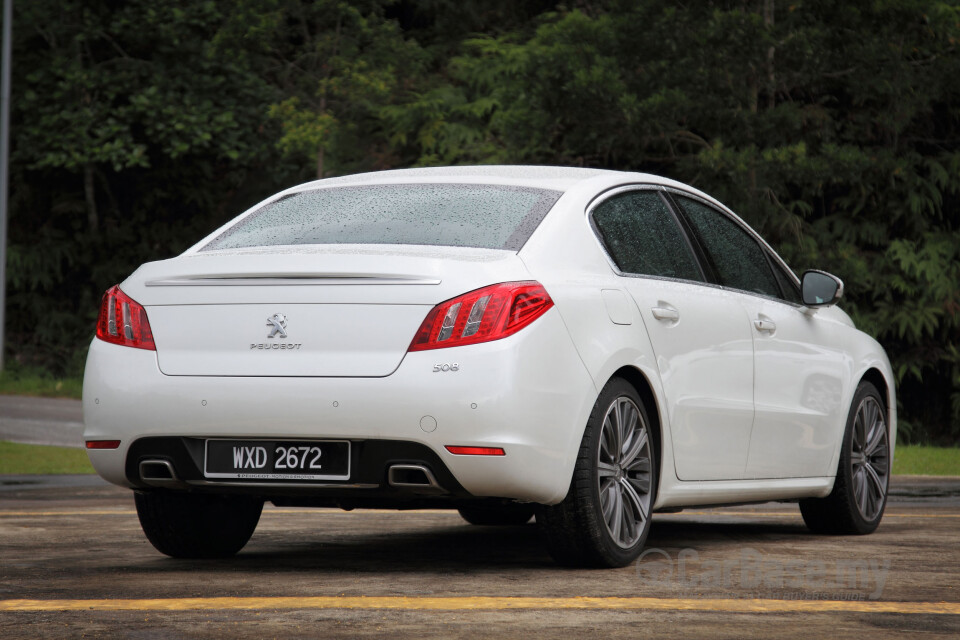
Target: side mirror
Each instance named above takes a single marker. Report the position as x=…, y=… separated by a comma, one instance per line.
x=820, y=289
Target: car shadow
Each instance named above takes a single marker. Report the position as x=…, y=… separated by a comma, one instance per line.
x=458, y=548
x=676, y=533
x=435, y=549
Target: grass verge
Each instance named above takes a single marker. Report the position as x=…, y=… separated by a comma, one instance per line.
x=24, y=459
x=920, y=460
x=30, y=384
x=27, y=459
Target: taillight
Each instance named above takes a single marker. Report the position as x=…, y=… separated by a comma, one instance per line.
x=483, y=315
x=124, y=321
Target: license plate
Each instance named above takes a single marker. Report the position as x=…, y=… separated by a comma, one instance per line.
x=277, y=460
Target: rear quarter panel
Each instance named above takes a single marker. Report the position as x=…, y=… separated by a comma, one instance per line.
x=565, y=257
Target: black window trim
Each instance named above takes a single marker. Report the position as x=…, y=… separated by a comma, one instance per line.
x=710, y=278
x=693, y=238
x=768, y=252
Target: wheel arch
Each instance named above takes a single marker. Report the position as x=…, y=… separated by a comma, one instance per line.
x=876, y=378
x=886, y=388
x=642, y=385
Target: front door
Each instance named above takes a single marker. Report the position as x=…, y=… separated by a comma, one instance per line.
x=797, y=392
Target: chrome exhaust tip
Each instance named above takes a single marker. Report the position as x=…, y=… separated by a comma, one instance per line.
x=159, y=473
x=412, y=476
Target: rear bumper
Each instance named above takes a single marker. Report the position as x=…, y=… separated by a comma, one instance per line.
x=376, y=478
x=529, y=394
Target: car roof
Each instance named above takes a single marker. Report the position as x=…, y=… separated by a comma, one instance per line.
x=543, y=177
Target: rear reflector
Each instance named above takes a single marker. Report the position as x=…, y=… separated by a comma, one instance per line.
x=476, y=451
x=483, y=315
x=124, y=321
x=103, y=444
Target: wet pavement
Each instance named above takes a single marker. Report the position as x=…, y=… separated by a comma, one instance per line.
x=74, y=563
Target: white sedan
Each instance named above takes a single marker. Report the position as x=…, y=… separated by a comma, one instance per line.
x=590, y=346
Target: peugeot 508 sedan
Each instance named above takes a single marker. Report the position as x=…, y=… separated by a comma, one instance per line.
x=588, y=346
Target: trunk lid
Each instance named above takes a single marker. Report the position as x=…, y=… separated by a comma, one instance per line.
x=314, y=311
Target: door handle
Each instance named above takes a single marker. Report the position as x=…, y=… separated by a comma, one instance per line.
x=665, y=313
x=768, y=326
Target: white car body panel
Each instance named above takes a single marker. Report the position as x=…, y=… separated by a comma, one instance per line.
x=533, y=392
x=799, y=387
x=354, y=340
x=137, y=399
x=349, y=315
x=708, y=347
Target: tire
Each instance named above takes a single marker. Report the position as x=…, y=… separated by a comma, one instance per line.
x=497, y=515
x=605, y=518
x=191, y=525
x=859, y=496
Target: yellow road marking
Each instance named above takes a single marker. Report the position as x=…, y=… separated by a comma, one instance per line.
x=481, y=603
x=287, y=512
x=774, y=514
x=266, y=512
x=115, y=512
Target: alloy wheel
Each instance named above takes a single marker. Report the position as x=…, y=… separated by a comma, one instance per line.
x=870, y=458
x=624, y=472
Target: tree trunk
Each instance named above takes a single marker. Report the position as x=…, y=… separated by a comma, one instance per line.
x=323, y=92
x=768, y=6
x=93, y=218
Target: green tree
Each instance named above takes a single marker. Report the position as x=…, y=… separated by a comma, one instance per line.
x=337, y=64
x=132, y=134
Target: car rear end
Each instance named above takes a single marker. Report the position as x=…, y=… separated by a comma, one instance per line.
x=374, y=345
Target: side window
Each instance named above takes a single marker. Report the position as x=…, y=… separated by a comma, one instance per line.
x=643, y=237
x=737, y=258
x=791, y=292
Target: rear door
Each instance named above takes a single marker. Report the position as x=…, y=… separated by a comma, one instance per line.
x=698, y=332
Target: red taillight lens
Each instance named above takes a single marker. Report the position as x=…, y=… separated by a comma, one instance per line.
x=483, y=315
x=123, y=321
x=475, y=451
x=103, y=444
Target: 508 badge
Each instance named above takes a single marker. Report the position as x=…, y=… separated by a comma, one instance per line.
x=437, y=368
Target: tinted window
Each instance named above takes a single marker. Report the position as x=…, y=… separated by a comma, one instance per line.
x=791, y=291
x=737, y=258
x=643, y=237
x=456, y=215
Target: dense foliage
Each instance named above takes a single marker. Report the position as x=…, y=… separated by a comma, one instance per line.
x=832, y=126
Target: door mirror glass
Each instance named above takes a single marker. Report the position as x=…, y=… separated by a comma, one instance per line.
x=820, y=289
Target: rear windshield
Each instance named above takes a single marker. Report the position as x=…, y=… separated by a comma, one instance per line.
x=452, y=215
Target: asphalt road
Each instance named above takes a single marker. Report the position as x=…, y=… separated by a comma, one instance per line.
x=54, y=421
x=74, y=563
